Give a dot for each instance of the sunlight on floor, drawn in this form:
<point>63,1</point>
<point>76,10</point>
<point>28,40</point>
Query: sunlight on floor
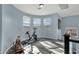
<point>47,44</point>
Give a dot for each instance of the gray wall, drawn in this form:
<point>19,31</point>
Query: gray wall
<point>72,21</point>
<point>50,31</point>
<point>0,26</point>
<point>46,31</point>
<point>69,22</point>
<point>12,25</point>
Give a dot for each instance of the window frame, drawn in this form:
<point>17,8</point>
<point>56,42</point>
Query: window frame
<point>46,22</point>
<point>39,22</point>
<point>26,21</point>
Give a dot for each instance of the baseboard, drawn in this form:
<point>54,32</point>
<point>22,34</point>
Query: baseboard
<point>50,39</point>
<point>7,49</point>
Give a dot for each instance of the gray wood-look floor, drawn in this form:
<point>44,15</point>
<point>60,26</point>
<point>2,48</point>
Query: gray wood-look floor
<point>44,46</point>
<point>49,47</point>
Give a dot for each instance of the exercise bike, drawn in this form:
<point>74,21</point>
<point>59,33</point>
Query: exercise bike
<point>31,37</point>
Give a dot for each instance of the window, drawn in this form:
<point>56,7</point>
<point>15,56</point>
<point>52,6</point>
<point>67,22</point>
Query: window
<point>47,21</point>
<point>26,21</point>
<point>36,21</point>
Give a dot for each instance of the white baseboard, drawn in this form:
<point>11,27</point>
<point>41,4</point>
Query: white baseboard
<point>7,49</point>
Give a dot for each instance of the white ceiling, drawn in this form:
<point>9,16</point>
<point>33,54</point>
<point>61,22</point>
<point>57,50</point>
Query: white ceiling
<point>73,9</point>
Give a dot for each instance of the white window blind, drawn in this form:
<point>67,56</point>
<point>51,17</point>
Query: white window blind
<point>36,21</point>
<point>47,21</point>
<point>26,21</point>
